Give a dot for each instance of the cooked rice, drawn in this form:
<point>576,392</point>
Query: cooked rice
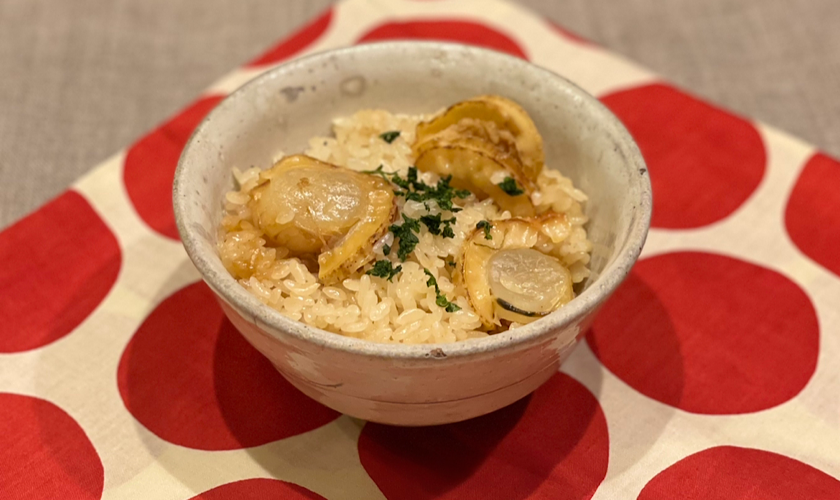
<point>369,307</point>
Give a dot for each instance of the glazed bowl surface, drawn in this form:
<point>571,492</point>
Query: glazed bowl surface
<point>283,108</point>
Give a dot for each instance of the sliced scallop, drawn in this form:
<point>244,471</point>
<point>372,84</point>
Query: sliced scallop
<point>479,157</point>
<point>506,115</point>
<point>513,272</point>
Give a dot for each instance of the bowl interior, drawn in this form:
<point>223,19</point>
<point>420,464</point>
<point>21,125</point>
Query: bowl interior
<point>281,110</point>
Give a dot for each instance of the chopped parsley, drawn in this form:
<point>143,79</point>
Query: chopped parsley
<point>487,227</point>
<point>380,171</point>
<point>434,222</point>
<point>389,137</point>
<point>384,269</point>
<point>432,281</point>
<point>416,190</point>
<point>399,181</point>
<point>406,232</point>
<point>440,299</point>
<point>412,188</point>
<point>510,187</point>
<point>412,178</point>
<point>451,263</point>
<point>443,194</point>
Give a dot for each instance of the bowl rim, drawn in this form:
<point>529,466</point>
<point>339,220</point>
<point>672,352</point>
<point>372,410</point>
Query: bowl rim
<point>277,325</point>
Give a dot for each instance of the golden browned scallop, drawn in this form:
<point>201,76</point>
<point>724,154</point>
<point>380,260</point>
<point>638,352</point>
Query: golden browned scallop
<point>506,115</point>
<point>314,208</point>
<point>512,272</point>
<point>482,158</point>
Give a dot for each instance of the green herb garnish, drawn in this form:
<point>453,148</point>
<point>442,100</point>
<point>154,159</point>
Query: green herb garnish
<point>434,222</point>
<point>432,281</point>
<point>412,178</point>
<point>414,224</point>
<point>415,190</point>
<point>406,232</point>
<point>440,299</point>
<point>450,306</point>
<point>389,137</point>
<point>442,193</point>
<point>487,227</point>
<point>380,171</point>
<point>386,249</point>
<point>399,181</point>
<point>384,269</point>
<point>510,187</point>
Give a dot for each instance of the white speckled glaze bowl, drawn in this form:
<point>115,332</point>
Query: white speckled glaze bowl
<point>413,384</point>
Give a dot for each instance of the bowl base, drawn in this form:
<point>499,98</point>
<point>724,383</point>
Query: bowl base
<point>412,414</point>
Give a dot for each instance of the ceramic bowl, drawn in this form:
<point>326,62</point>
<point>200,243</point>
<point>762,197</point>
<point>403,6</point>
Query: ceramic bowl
<point>413,384</point>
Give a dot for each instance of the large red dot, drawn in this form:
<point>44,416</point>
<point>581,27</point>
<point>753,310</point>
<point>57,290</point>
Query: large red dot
<point>44,453</point>
<point>704,162</point>
<point>708,334</point>
<point>58,265</point>
<point>296,43</point>
<point>728,472</point>
<point>551,445</point>
<point>466,32</point>
<point>150,166</point>
<point>190,378</point>
<point>258,489</point>
<point>813,212</point>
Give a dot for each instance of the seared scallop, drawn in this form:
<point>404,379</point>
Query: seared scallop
<point>506,115</point>
<point>313,208</point>
<point>482,158</point>
<point>512,272</point>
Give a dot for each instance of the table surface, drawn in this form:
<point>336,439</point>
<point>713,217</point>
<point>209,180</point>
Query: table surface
<point>83,79</point>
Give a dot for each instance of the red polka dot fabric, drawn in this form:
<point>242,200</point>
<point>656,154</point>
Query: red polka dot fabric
<point>729,472</point>
<point>709,334</point>
<point>45,452</point>
<point>553,444</point>
<point>447,30</point>
<point>206,387</point>
<point>296,43</point>
<point>812,215</point>
<point>710,374</point>
<point>258,489</point>
<point>150,167</point>
<point>704,162</point>
<point>58,265</point>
